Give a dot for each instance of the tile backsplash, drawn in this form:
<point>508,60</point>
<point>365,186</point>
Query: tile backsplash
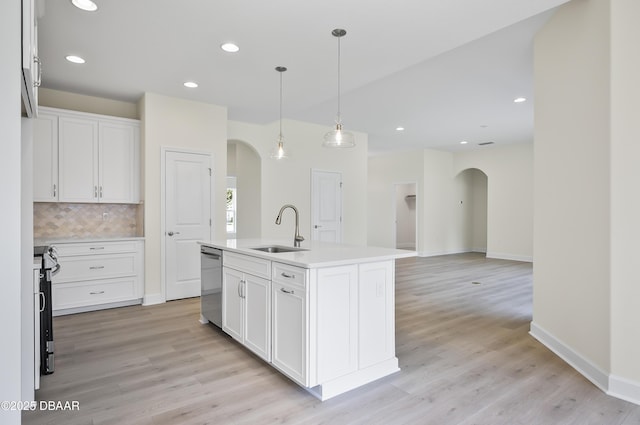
<point>62,220</point>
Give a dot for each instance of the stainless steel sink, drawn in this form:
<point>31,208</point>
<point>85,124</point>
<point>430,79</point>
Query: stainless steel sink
<point>274,249</point>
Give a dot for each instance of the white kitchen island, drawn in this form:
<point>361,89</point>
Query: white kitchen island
<point>324,316</point>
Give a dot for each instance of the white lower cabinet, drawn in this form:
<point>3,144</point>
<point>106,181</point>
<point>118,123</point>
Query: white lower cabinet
<point>290,337</point>
<point>246,303</point>
<point>96,275</point>
<point>330,329</point>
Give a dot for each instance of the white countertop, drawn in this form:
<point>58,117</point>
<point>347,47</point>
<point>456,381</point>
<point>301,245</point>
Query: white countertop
<point>49,241</point>
<point>317,254</point>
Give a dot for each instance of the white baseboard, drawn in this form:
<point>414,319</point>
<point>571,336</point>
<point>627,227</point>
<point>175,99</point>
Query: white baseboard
<point>512,257</point>
<point>624,389</point>
<point>151,299</point>
<point>590,371</point>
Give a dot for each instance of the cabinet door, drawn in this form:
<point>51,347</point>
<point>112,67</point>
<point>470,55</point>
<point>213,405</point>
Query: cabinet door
<point>78,150</point>
<point>336,321</point>
<point>257,307</point>
<point>289,344</point>
<point>45,158</point>
<point>232,303</point>
<point>118,158</point>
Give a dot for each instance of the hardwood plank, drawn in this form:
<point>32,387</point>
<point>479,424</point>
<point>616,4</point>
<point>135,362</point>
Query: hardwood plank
<point>465,355</point>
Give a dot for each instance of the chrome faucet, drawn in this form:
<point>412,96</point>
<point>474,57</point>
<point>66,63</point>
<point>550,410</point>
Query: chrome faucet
<point>297,238</point>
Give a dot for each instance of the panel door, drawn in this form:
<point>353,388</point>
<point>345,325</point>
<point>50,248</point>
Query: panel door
<point>289,342</point>
<point>326,206</point>
<point>257,308</point>
<point>187,220</point>
<point>232,303</point>
<point>78,160</point>
<point>118,169</point>
<point>45,158</point>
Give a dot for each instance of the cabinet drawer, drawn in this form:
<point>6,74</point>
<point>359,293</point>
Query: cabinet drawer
<point>96,267</point>
<point>94,248</point>
<point>248,264</point>
<point>80,294</point>
<point>286,274</point>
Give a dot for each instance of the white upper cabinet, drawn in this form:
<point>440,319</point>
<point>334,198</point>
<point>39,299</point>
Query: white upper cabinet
<point>31,68</point>
<point>98,157</point>
<point>45,158</point>
<point>78,148</point>
<point>118,158</point>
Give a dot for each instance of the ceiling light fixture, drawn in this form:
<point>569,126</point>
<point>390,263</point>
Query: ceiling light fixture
<point>338,138</point>
<point>75,59</point>
<point>87,5</point>
<point>279,152</point>
<point>519,99</point>
<point>230,47</point>
<point>190,84</point>
<point>399,128</point>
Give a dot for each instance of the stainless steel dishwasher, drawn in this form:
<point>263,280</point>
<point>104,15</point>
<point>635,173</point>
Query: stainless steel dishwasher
<point>211,284</point>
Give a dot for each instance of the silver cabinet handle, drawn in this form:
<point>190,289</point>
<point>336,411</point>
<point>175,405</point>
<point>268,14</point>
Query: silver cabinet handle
<point>173,233</point>
<point>286,291</point>
<point>96,293</point>
<point>95,191</point>
<point>37,61</point>
<point>96,267</point>
<point>288,276</point>
<point>101,191</point>
<point>240,289</point>
<point>54,190</point>
<point>96,248</point>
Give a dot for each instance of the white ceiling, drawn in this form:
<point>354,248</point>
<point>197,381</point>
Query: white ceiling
<point>446,70</point>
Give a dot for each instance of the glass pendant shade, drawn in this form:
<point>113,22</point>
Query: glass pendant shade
<point>337,137</point>
<point>279,152</point>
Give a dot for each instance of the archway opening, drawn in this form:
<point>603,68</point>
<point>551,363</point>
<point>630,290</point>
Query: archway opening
<point>472,197</point>
<point>244,170</point>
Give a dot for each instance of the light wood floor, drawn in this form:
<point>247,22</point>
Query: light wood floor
<point>464,349</point>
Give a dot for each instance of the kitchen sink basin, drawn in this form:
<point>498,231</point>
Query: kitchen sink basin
<point>274,249</point>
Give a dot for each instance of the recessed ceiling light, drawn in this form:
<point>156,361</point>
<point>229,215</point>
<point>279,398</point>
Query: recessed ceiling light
<point>464,142</point>
<point>230,47</point>
<point>191,84</point>
<point>75,59</point>
<point>399,128</point>
<point>519,99</point>
<point>87,5</point>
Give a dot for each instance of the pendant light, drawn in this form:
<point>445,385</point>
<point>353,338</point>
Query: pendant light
<point>278,152</point>
<point>338,138</point>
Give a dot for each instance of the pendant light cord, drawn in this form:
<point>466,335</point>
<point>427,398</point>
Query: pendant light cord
<point>280,137</point>
<point>339,120</point>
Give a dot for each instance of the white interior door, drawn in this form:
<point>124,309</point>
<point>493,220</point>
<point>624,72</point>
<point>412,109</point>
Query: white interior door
<point>187,220</point>
<point>326,206</point>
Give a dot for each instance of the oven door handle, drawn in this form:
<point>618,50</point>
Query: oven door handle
<point>43,302</point>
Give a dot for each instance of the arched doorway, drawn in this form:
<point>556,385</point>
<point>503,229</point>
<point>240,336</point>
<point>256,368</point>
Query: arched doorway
<point>472,195</point>
<point>244,171</point>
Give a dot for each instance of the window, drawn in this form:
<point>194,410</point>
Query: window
<point>231,206</point>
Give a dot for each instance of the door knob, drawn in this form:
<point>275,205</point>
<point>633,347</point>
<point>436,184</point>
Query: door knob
<point>316,226</point>
<point>173,233</point>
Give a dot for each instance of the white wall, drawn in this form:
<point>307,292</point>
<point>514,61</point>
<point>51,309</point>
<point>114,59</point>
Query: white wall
<point>625,196</point>
<point>572,221</point>
<point>289,181</point>
<point>84,103</point>
<point>247,168</point>
<point>171,122</point>
<point>10,193</point>
<point>383,172</point>
<point>495,215</point>
<point>509,171</point>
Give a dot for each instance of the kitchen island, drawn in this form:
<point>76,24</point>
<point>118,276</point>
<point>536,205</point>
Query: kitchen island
<point>322,314</point>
